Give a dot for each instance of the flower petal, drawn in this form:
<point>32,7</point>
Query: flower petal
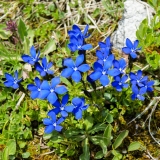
<point>68,62</point>
<point>38,67</point>
<point>133,55</point>
<point>57,104</point>
<point>61,90</point>
<point>86,47</point>
<point>135,89</point>
<point>9,77</point>
<point>49,129</point>
<point>37,82</point>
<point>76,28</point>
<point>84,67</point>
<point>55,81</point>
<point>78,115</point>
<point>44,62</point>
<point>97,66</point>
<point>126,50</point>
<point>76,76</point>
<point>47,121</point>
<point>15,86</point>
<point>99,54</point>
<point>60,120</point>
<point>72,47</point>
<point>79,60</point>
<point>64,113</point>
<point>65,99</point>
<point>67,72</point>
<point>113,72</point>
<point>34,94</point>
<point>33,52</point>
<point>58,128</point>
<point>129,43</point>
<point>45,85</point>
<point>95,75</point>
<point>43,94</point>
<point>136,44</point>
<point>31,87</point>
<point>52,97</point>
<point>76,101</point>
<point>52,115</point>
<point>122,63</point>
<point>69,108</point>
<point>104,80</point>
<point>8,83</point>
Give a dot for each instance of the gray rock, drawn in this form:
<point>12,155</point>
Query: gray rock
<point>135,12</point>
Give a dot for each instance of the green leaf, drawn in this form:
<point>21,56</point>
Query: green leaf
<point>120,139</point>
<point>88,122</point>
<point>117,155</point>
<point>107,96</point>
<point>97,128</point>
<point>25,155</point>
<point>50,47</point>
<point>107,134</point>
<point>98,155</point>
<point>109,118</point>
<point>66,81</point>
<point>134,146</point>
<point>11,144</point>
<point>22,30</point>
<point>86,154</point>
<point>71,132</point>
<point>5,154</point>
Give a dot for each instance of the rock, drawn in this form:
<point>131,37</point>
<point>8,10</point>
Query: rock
<point>135,12</point>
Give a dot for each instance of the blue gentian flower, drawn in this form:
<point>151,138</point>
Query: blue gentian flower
<point>53,89</point>
<point>137,79</point>
<point>36,90</point>
<point>120,82</point>
<point>103,55</point>
<point>33,58</point>
<point>131,49</point>
<point>12,81</point>
<point>149,85</point>
<point>79,107</point>
<point>101,72</point>
<point>74,69</point>
<point>61,107</point>
<point>120,65</point>
<point>138,93</point>
<point>45,68</point>
<point>76,31</point>
<point>107,45</point>
<point>77,43</point>
<point>52,124</point>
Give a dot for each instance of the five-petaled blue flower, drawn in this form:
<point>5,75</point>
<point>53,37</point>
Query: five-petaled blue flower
<point>53,89</point>
<point>149,85</point>
<point>36,90</point>
<point>33,58</point>
<point>45,68</point>
<point>61,107</point>
<point>76,31</point>
<point>138,93</point>
<point>107,45</point>
<point>120,82</point>
<point>77,43</point>
<point>119,65</point>
<point>137,79</point>
<point>52,124</point>
<point>103,55</point>
<point>79,107</point>
<point>131,49</point>
<point>12,81</point>
<point>74,69</point>
<point>101,72</point>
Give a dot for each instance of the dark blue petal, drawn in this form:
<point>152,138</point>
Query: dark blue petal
<point>116,64</point>
<point>76,76</point>
<point>80,40</point>
<point>8,83</point>
<point>142,90</point>
<point>44,62</point>
<point>76,28</point>
<point>129,43</point>
<point>67,72</point>
<point>58,128</point>
<point>133,96</point>
<point>43,94</point>
<point>136,44</point>
<point>132,76</point>
<point>78,115</point>
<point>68,62</point>
<point>34,94</point>
<point>84,107</point>
<point>15,86</point>
<point>33,52</point>
<point>115,83</point>
<point>73,40</point>
<point>38,67</point>
<point>55,110</point>
<point>61,90</point>
<point>113,72</point>
<point>102,44</point>
<point>108,44</point>
<point>104,80</point>
<point>150,83</point>
<point>99,54</point>
<point>65,99</point>
<point>84,67</point>
<point>133,55</point>
<point>126,50</point>
<point>85,30</point>
<point>37,82</point>
<point>60,120</point>
<point>145,78</point>
<point>55,81</point>
<point>119,88</point>
<point>31,87</point>
<point>45,85</point>
<point>97,66</point>
<point>122,63</point>
<point>52,97</point>
<point>57,104</point>
<point>72,47</point>
<point>79,60</point>
<point>124,78</point>
<point>139,74</point>
<point>47,121</point>
<point>95,75</point>
<point>86,47</point>
<point>9,77</point>
<point>76,101</point>
<point>135,89</point>
<point>49,129</point>
<point>27,59</point>
<point>69,108</point>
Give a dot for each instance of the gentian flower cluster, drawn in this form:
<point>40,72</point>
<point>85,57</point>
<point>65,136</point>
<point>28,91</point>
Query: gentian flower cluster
<point>140,85</point>
<point>77,39</point>
<point>106,65</point>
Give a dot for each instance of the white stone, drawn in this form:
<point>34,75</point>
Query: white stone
<point>135,12</point>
